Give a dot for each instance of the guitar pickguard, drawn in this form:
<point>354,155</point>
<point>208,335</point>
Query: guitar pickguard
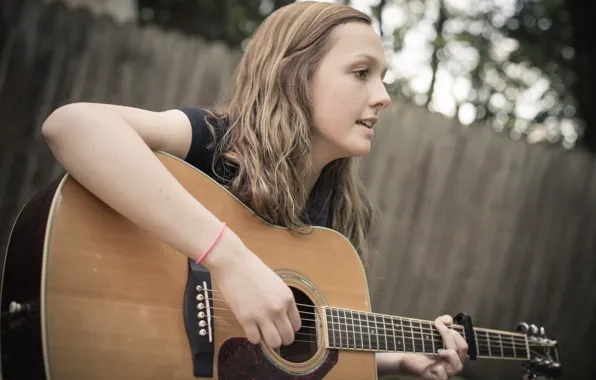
<point>240,360</point>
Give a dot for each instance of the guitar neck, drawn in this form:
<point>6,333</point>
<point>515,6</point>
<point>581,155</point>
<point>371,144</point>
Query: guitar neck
<point>356,330</point>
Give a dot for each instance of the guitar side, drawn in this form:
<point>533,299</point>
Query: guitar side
<point>112,295</point>
<point>21,345</point>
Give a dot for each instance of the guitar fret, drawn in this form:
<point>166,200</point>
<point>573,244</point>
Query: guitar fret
<point>330,328</point>
<point>424,337</point>
<point>417,336</point>
<point>428,337</point>
<point>375,332</point>
<point>483,343</point>
<point>501,345</point>
<point>343,326</point>
<point>337,329</point>
<point>514,348</point>
<point>390,330</point>
<point>403,335</point>
<point>407,336</point>
<point>356,327</point>
<point>367,334</point>
<point>410,331</point>
<point>488,341</point>
<point>353,323</point>
<point>378,333</point>
<point>372,332</point>
<point>477,345</point>
<point>396,339</point>
<point>507,347</point>
<point>362,346</point>
<point>381,333</point>
<point>432,334</point>
<point>420,336</point>
<point>386,333</point>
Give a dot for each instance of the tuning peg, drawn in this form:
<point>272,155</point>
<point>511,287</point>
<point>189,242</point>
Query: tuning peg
<point>533,330</point>
<point>523,327</point>
<point>544,367</point>
<point>555,369</point>
<point>542,333</point>
<point>551,368</point>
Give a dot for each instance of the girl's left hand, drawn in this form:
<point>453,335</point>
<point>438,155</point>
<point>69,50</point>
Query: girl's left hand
<point>447,363</point>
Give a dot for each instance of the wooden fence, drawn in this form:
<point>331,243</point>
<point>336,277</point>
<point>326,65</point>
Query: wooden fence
<point>473,221</point>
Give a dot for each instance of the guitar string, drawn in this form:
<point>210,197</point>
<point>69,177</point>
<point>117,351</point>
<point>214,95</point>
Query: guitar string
<point>454,326</point>
<point>410,349</point>
<point>404,329</point>
<point>415,336</point>
<point>330,308</point>
<point>480,339</point>
<point>362,342</point>
<point>515,338</point>
<point>412,335</point>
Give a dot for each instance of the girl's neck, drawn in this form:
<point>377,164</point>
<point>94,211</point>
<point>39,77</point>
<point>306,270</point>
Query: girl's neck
<point>319,158</point>
<point>308,176</point>
<point>311,180</point>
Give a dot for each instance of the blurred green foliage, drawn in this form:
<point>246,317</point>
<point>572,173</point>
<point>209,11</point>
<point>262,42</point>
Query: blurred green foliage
<point>511,63</point>
<point>229,21</point>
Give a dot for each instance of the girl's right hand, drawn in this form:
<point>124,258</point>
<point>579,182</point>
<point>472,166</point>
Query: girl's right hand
<point>259,299</point>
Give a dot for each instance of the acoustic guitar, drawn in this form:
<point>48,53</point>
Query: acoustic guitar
<point>87,295</point>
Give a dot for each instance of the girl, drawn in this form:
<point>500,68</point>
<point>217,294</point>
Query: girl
<point>307,95</point>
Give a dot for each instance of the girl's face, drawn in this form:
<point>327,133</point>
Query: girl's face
<point>347,93</point>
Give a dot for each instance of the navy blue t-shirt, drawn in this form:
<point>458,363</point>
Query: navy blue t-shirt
<point>202,156</point>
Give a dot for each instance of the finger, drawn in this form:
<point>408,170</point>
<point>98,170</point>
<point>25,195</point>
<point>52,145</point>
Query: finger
<point>462,345</point>
<point>446,319</point>
<point>294,316</point>
<point>453,359</point>
<point>286,332</point>
<point>270,334</point>
<point>252,333</point>
<point>439,372</point>
<point>448,340</point>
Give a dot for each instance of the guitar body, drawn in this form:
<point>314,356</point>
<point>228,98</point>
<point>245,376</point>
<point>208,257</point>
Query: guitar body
<point>107,300</point>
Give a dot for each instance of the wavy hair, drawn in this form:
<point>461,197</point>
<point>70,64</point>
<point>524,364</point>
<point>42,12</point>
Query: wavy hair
<point>269,122</point>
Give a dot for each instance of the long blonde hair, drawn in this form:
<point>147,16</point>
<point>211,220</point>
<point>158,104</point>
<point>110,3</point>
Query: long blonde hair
<point>270,123</point>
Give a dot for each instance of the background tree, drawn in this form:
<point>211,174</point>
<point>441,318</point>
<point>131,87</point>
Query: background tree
<point>228,21</point>
<point>508,63</point>
<point>522,66</point>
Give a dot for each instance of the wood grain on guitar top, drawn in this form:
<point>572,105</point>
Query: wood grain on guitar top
<point>113,293</point>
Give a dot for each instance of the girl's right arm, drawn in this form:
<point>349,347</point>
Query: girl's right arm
<point>108,149</point>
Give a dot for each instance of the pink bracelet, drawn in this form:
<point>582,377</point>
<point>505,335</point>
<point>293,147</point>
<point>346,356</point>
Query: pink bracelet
<point>223,227</point>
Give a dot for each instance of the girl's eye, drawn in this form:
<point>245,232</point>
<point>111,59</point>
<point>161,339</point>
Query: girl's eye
<point>362,74</point>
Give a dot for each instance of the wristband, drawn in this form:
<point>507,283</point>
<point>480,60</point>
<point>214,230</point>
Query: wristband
<point>223,227</point>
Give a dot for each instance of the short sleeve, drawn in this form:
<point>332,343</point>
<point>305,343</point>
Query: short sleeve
<point>200,154</point>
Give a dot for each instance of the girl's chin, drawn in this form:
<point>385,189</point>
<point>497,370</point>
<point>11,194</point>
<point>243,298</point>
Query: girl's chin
<point>361,149</point>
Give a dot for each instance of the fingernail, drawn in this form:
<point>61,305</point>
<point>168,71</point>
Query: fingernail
<point>441,350</point>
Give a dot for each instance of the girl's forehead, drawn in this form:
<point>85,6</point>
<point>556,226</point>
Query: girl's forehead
<point>357,39</point>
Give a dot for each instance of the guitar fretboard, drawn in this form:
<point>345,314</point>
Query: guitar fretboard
<point>356,330</point>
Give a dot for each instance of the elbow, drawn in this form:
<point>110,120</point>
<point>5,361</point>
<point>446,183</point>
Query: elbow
<point>61,120</point>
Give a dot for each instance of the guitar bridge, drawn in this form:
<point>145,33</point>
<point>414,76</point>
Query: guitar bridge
<point>198,319</point>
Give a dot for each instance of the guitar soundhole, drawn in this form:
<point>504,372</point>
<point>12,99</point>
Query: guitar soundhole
<point>305,343</point>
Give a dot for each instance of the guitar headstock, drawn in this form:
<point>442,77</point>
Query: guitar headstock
<point>543,353</point>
